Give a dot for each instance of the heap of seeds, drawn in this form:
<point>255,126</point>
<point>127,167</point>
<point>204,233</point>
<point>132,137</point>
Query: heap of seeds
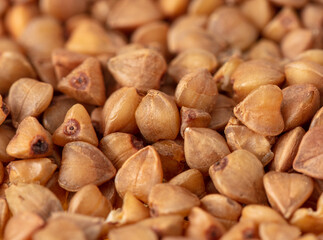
<point>161,119</point>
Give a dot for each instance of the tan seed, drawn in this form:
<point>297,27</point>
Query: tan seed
<point>309,154</point>
<point>275,231</point>
<point>38,170</point>
<point>28,223</point>
<point>262,16</point>
<point>233,27</point>
<point>296,42</point>
<point>192,180</point>
<point>60,229</point>
<point>32,197</point>
<point>13,66</point>
<point>260,110</point>
<point>40,37</point>
<point>83,164</point>
<point>118,147</point>
<point>90,201</point>
<point>152,34</point>
<point>254,73</point>
<point>305,72</point>
<point>139,174</point>
<point>151,119</point>
<point>141,69</point>
<point>203,226</point>
<point>197,90</point>
<point>239,136</point>
<point>85,83</point>
<point>188,33</point>
<point>132,211</point>
<point>239,176</point>
<point>89,37</point>
<point>173,8</point>
<point>191,60</point>
<point>17,18</point>
<point>224,209</point>
<point>287,191</point>
<point>119,111</point>
<point>265,49</point>
<point>300,103</point>
<point>260,214</point>
<point>167,199</point>
<point>203,147</point>
<point>284,21</point>
<point>171,156</point>
<point>311,16</point>
<point>286,148</point>
<point>129,14</point>
<point>31,140</point>
<point>28,97</point>
<point>77,126</point>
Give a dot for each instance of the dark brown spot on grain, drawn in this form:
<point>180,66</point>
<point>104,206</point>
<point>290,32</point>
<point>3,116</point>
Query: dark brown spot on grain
<point>39,145</point>
<point>221,164</point>
<point>80,82</point>
<point>248,233</point>
<point>213,233</point>
<point>153,212</point>
<point>191,115</point>
<point>230,201</point>
<point>137,144</point>
<point>5,109</point>
<point>72,128</point>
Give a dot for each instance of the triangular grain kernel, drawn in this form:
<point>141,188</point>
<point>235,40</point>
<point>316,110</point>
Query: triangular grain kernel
<point>129,14</point>
<point>141,69</point>
<point>77,126</point>
<point>139,174</point>
<point>260,110</point>
<point>85,83</point>
<point>89,37</point>
<point>31,140</point>
<point>82,164</point>
<point>310,154</point>
<point>286,192</point>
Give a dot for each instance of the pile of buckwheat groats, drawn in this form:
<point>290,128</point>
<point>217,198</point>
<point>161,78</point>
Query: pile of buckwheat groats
<point>161,119</point>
